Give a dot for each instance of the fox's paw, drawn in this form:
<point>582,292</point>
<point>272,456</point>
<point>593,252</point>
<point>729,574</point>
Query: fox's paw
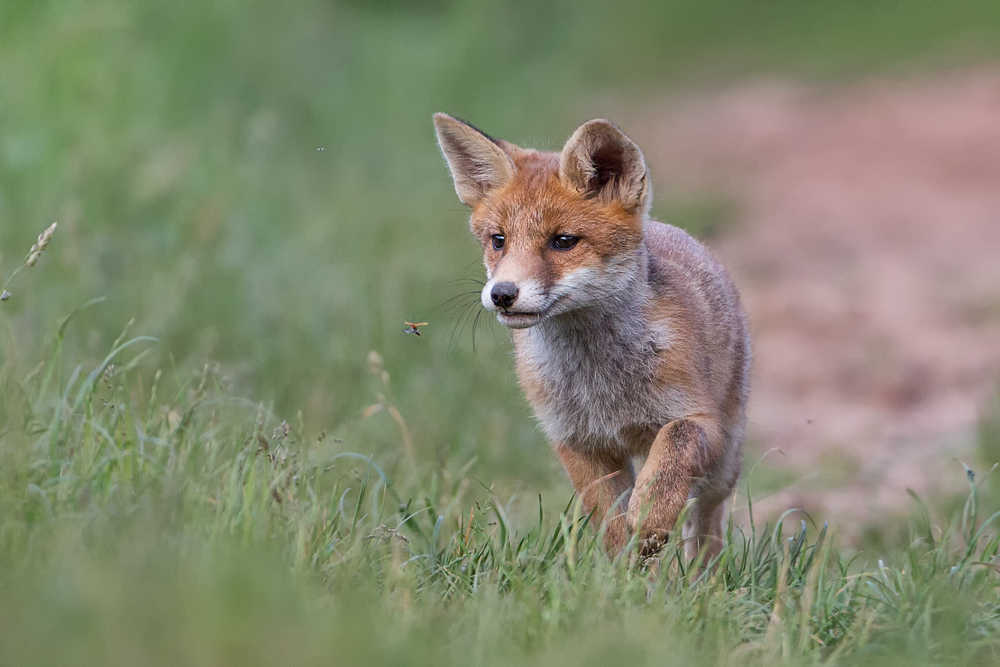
<point>652,544</point>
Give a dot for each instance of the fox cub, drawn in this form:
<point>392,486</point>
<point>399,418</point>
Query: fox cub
<point>629,337</point>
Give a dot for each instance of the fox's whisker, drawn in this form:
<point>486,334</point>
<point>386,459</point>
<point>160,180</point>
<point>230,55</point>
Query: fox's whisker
<point>462,295</point>
<point>465,302</point>
<point>461,300</point>
<point>475,323</point>
<point>465,280</point>
<point>454,300</point>
<point>460,321</point>
<point>449,285</point>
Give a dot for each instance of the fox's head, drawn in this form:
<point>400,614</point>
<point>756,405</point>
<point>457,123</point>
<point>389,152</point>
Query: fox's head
<point>560,231</point>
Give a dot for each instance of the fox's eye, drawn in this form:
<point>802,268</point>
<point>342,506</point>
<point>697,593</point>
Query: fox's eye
<point>498,241</point>
<point>564,241</point>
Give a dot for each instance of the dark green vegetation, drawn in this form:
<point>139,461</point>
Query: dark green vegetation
<point>164,517</point>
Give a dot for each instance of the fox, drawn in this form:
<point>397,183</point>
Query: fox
<point>630,340</point>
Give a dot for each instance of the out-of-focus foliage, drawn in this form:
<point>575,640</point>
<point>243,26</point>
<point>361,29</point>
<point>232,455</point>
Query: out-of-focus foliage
<point>257,182</point>
<point>256,185</point>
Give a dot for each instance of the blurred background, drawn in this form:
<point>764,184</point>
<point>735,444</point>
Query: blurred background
<point>257,185</point>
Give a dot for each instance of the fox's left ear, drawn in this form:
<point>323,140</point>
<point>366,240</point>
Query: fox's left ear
<point>601,162</point>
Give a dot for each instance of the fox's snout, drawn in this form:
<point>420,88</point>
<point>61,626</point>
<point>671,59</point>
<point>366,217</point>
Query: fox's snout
<point>510,294</point>
<point>518,303</point>
<point>503,295</point>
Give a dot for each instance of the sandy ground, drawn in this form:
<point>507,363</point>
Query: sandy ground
<point>867,250</point>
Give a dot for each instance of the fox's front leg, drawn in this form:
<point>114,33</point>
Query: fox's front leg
<point>678,456</point>
<point>601,479</point>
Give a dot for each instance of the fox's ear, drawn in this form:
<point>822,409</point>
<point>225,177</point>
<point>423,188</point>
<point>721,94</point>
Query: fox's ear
<point>477,161</point>
<point>601,162</point>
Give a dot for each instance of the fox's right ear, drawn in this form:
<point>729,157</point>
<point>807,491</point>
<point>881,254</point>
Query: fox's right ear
<point>477,161</point>
<point>601,162</point>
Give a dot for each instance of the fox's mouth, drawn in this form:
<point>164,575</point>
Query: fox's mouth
<point>519,320</point>
<point>522,319</point>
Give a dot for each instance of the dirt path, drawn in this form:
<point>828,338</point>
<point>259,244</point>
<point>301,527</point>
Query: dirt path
<point>868,253</point>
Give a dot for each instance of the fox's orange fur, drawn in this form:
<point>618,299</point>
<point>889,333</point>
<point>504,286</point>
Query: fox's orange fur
<point>629,337</point>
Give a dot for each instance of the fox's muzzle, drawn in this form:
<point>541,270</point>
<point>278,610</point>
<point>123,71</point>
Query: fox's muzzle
<point>504,294</point>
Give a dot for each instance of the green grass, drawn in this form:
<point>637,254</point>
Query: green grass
<point>150,524</point>
<point>158,513</point>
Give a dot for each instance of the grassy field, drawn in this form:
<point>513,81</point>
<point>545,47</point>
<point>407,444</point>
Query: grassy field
<point>251,192</point>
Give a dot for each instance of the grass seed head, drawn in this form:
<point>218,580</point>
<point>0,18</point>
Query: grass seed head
<point>46,236</point>
<point>43,242</point>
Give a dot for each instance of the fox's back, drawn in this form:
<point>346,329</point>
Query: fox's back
<point>694,292</point>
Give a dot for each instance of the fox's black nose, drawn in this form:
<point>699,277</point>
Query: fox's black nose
<point>504,294</point>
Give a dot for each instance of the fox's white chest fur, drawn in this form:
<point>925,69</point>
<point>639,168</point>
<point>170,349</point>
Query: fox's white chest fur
<point>592,379</point>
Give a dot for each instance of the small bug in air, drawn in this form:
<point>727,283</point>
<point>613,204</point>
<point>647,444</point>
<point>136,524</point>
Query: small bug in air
<point>413,327</point>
